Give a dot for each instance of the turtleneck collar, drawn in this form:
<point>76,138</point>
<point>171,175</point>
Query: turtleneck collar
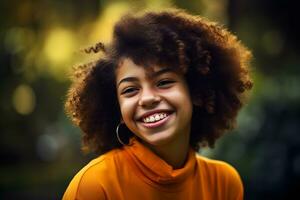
<point>156,171</point>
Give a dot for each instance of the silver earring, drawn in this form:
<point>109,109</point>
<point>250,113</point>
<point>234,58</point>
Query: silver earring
<point>117,132</point>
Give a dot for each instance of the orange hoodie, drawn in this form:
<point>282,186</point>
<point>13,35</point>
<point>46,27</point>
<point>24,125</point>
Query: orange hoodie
<point>136,173</point>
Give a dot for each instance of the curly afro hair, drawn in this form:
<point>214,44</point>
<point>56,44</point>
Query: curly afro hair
<point>213,61</point>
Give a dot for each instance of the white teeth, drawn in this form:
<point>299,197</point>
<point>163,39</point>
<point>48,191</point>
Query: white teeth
<point>155,117</point>
<point>152,119</point>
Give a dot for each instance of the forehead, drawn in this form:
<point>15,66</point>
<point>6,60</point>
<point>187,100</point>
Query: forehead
<point>127,67</point>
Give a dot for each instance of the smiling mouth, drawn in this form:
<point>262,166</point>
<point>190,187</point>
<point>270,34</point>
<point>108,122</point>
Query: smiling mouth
<point>155,117</point>
<point>156,120</point>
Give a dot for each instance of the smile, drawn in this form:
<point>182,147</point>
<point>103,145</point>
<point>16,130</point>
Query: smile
<point>156,120</point>
<point>155,117</point>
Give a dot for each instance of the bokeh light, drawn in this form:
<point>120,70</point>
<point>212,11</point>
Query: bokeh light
<point>59,45</point>
<point>58,50</point>
<point>24,99</point>
<point>103,26</point>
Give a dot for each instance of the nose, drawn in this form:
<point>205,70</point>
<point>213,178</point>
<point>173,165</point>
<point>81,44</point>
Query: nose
<point>149,98</point>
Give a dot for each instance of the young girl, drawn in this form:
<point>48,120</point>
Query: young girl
<point>169,83</point>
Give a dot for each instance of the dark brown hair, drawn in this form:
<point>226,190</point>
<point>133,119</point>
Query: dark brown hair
<point>214,62</point>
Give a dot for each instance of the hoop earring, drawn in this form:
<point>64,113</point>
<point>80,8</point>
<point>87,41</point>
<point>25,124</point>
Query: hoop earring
<point>117,133</point>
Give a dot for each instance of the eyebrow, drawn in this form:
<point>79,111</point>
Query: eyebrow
<point>152,75</point>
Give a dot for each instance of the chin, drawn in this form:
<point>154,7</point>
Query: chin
<point>159,139</point>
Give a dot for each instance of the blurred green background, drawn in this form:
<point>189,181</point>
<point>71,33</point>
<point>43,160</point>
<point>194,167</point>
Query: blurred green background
<point>40,148</point>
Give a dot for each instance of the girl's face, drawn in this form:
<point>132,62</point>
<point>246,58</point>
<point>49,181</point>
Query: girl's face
<point>156,106</point>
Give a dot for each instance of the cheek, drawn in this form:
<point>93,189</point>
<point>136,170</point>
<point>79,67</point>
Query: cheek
<point>127,109</point>
<point>180,96</point>
<point>182,101</point>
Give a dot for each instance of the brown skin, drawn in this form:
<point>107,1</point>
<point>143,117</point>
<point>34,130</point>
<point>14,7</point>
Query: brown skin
<point>214,64</point>
<point>162,92</point>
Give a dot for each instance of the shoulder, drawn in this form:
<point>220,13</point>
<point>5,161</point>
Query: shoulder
<point>217,166</point>
<point>88,182</point>
<point>224,174</point>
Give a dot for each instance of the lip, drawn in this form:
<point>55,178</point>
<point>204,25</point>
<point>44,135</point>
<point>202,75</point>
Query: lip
<point>158,123</point>
<point>140,118</point>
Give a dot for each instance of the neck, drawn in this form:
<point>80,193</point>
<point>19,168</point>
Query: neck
<point>175,153</point>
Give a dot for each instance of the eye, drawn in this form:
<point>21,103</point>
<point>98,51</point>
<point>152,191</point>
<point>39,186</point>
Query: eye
<point>129,90</point>
<point>165,83</point>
